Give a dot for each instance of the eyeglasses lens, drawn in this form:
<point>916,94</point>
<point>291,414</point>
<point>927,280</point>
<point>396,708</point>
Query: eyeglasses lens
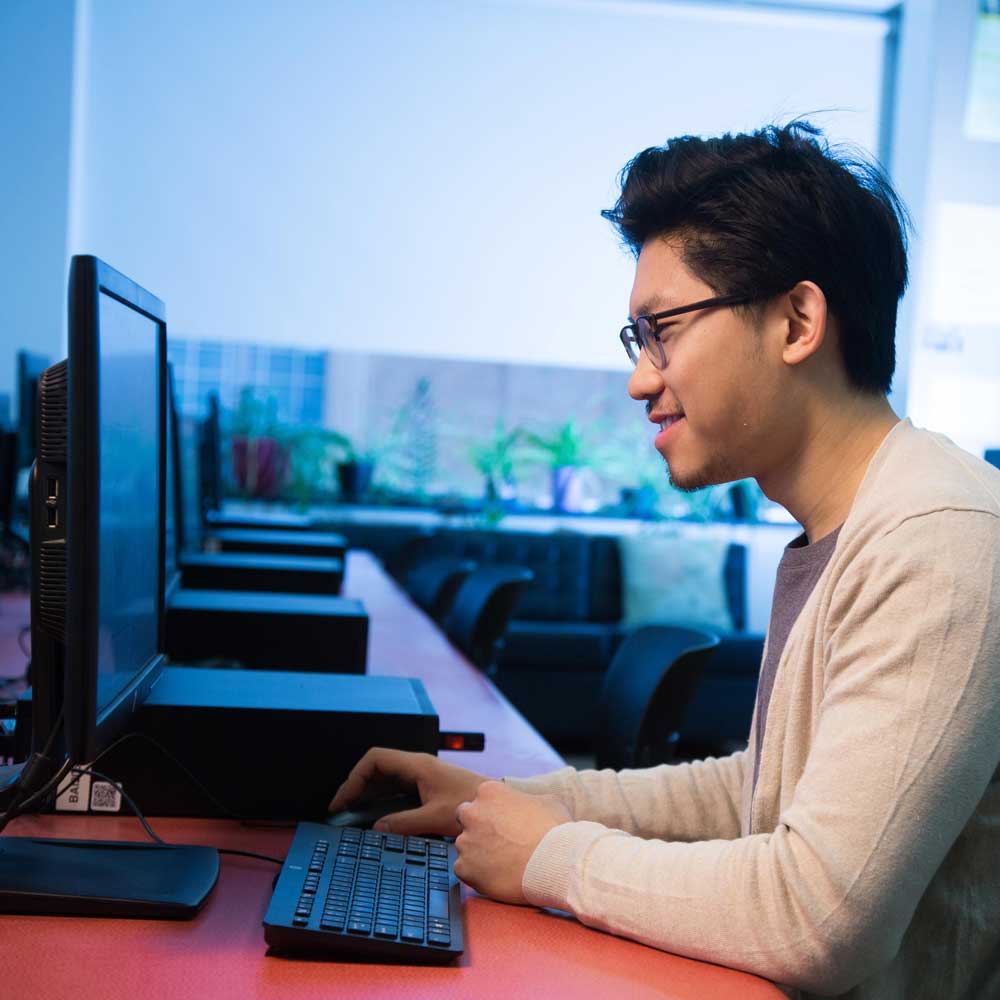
<point>646,336</point>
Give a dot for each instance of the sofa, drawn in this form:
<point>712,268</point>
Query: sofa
<point>589,591</point>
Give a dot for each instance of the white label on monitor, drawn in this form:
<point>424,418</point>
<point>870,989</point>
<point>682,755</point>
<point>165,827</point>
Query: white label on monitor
<point>104,797</point>
<point>74,793</point>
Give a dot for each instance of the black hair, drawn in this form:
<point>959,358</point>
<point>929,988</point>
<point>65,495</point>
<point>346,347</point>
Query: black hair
<point>756,213</point>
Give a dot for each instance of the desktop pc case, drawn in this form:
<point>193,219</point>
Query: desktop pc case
<point>265,744</point>
<point>267,631</point>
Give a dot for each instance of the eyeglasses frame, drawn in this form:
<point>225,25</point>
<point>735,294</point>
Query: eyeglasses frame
<point>629,334</point>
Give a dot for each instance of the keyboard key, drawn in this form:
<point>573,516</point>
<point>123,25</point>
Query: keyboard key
<point>412,932</point>
<point>386,930</point>
<point>436,937</point>
<point>438,903</point>
<point>359,926</point>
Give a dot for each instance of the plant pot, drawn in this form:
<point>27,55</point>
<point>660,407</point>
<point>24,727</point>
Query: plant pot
<point>260,466</point>
<point>567,489</point>
<point>354,479</point>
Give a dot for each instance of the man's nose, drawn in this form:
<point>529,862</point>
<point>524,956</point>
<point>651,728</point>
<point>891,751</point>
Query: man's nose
<point>646,381</point>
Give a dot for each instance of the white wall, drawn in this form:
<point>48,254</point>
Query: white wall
<point>954,378</point>
<point>420,177</point>
<point>36,77</point>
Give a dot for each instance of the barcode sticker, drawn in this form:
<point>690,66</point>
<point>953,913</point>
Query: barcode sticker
<point>104,797</point>
<point>74,793</point>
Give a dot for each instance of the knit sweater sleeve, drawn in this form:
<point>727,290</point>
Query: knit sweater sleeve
<point>903,748</point>
<point>693,801</point>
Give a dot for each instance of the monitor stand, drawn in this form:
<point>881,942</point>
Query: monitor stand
<point>101,878</point>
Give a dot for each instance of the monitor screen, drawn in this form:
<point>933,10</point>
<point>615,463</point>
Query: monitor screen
<point>114,413</point>
<point>127,606</point>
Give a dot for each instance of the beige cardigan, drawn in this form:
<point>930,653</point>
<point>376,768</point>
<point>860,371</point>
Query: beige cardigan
<point>867,862</point>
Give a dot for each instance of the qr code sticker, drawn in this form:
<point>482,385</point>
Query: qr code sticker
<point>104,797</point>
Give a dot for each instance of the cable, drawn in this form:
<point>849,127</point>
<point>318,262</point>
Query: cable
<point>35,764</point>
<point>187,771</point>
<point>25,630</point>
<point>19,808</point>
<point>250,854</point>
<point>145,824</point>
<point>121,791</point>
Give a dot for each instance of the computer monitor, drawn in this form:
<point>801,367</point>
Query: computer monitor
<point>29,370</point>
<point>187,486</point>
<point>173,508</point>
<point>209,447</point>
<point>97,536</point>
<point>97,504</point>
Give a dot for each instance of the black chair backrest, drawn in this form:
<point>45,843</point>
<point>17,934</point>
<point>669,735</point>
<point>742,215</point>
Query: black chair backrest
<point>433,583</point>
<point>480,611</point>
<point>646,690</point>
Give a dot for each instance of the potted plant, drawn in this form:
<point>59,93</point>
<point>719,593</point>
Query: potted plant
<point>567,453</point>
<point>259,447</point>
<point>315,452</point>
<point>494,458</point>
<point>354,474</point>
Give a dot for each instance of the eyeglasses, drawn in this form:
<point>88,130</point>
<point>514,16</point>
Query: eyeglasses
<point>641,335</point>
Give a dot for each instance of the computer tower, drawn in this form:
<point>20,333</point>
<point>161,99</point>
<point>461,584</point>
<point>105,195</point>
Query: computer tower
<point>265,745</point>
<point>274,574</point>
<point>266,631</point>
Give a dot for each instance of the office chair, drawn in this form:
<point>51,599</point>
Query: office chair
<point>433,583</point>
<point>481,609</point>
<point>406,555</point>
<point>646,689</point>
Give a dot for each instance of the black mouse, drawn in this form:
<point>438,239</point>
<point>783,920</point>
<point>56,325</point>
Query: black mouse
<point>366,814</point>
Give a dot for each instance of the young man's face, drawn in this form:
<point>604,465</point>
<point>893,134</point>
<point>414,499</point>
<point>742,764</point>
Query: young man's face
<point>717,378</point>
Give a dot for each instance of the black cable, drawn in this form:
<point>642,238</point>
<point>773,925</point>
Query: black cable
<point>145,824</point>
<point>187,771</point>
<point>250,854</point>
<point>121,791</point>
<point>25,630</point>
<point>19,808</point>
<point>35,763</point>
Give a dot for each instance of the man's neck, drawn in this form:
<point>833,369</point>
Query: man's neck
<point>819,481</point>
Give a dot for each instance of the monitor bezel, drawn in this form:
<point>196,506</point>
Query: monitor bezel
<point>177,500</point>
<point>90,727</point>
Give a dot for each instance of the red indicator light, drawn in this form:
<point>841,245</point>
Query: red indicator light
<point>454,741</point>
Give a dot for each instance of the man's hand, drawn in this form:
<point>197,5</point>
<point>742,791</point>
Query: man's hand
<point>442,787</point>
<point>500,830</point>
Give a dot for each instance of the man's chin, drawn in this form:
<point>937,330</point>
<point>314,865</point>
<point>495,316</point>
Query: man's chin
<point>692,480</point>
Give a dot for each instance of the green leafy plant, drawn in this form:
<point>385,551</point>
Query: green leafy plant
<point>315,453</point>
<point>496,456</point>
<point>565,446</point>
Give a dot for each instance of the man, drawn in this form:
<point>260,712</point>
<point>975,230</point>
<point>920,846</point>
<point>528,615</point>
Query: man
<point>851,849</point>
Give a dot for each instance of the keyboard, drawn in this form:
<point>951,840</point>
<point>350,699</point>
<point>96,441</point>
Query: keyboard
<point>355,893</point>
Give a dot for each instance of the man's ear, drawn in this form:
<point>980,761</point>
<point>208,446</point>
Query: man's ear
<point>805,316</point>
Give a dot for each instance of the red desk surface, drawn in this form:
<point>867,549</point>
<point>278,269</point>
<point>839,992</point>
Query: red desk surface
<point>510,951</point>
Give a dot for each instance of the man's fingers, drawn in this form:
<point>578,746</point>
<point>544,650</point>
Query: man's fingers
<point>354,784</point>
<point>378,762</point>
<point>410,821</point>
